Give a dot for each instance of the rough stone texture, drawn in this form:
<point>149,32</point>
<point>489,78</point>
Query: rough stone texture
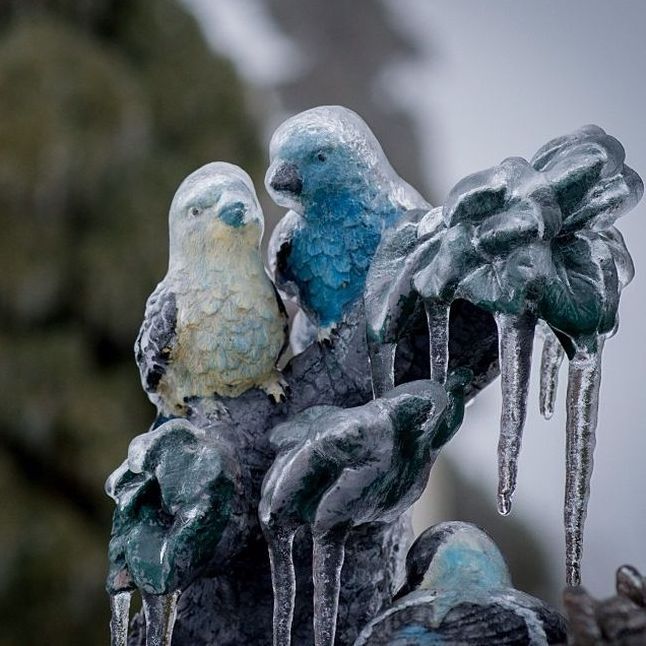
<point>235,605</point>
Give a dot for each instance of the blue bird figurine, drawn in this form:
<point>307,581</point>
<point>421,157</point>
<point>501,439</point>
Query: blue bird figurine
<point>340,468</point>
<point>329,169</point>
<point>458,591</point>
<point>215,324</point>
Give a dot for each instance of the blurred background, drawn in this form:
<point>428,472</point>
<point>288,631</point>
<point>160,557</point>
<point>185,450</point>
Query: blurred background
<point>107,104</point>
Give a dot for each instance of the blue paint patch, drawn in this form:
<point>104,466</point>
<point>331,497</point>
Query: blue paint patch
<point>416,634</point>
<point>233,214</point>
<point>330,255</point>
<point>458,567</point>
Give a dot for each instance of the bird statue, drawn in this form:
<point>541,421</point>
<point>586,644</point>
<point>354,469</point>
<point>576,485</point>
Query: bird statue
<point>215,325</point>
<point>617,621</point>
<point>179,515</point>
<point>337,469</point>
<point>329,169</point>
<point>524,241</point>
<point>458,591</point>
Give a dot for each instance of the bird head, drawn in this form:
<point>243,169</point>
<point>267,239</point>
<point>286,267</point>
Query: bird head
<point>322,153</point>
<point>454,555</point>
<point>214,206</point>
<point>417,405</point>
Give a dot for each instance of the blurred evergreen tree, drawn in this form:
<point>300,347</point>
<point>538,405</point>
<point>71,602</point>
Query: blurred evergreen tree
<point>106,106</point>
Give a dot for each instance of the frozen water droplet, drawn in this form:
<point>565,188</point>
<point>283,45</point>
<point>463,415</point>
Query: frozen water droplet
<point>120,616</point>
<point>584,380</point>
<point>160,611</point>
<point>551,360</point>
<point>283,580</point>
<point>382,366</point>
<point>327,563</point>
<point>437,316</point>
<point>515,341</point>
<point>504,503</point>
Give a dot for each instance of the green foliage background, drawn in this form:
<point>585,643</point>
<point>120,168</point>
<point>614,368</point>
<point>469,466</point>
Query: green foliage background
<point>106,105</point>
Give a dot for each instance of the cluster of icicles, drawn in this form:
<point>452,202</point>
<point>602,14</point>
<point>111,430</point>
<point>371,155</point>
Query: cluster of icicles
<point>535,242</point>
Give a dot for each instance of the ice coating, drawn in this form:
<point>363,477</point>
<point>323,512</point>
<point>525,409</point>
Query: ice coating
<point>337,469</point>
<point>160,612</point>
<point>119,618</point>
<point>516,339</point>
<point>328,552</point>
<point>458,591</point>
<point>527,242</point>
<point>382,367</point>
<point>584,380</point>
<point>179,511</point>
<point>328,168</point>
<point>551,360</point>
<point>437,315</point>
<point>333,126</point>
<point>281,544</point>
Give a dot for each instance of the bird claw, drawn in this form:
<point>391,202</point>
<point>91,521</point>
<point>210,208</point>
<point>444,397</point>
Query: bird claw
<point>276,388</point>
<point>324,335</point>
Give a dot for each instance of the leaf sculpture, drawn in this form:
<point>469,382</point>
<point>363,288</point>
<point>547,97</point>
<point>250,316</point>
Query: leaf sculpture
<point>523,242</point>
<point>179,512</point>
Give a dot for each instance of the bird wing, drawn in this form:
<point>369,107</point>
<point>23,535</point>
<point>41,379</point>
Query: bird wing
<point>285,316</point>
<point>157,336</point>
<point>288,434</point>
<point>466,623</point>
<point>279,249</point>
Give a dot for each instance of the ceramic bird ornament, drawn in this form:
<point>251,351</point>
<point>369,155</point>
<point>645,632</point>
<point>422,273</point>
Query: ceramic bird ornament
<point>329,169</point>
<point>215,325</point>
<point>340,468</point>
<point>458,591</point>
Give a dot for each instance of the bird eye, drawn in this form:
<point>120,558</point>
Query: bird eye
<point>321,157</point>
<point>195,211</point>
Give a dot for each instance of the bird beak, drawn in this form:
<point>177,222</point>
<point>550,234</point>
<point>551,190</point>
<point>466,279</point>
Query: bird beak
<point>234,214</point>
<point>285,178</point>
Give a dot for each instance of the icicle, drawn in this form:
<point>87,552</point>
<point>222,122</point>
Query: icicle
<point>382,366</point>
<point>327,563</point>
<point>120,616</point>
<point>515,341</point>
<point>551,361</point>
<point>160,611</point>
<point>283,580</point>
<point>584,379</point>
<point>437,317</point>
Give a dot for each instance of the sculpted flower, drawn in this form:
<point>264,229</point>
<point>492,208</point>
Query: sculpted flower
<point>523,241</point>
<point>179,515</point>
